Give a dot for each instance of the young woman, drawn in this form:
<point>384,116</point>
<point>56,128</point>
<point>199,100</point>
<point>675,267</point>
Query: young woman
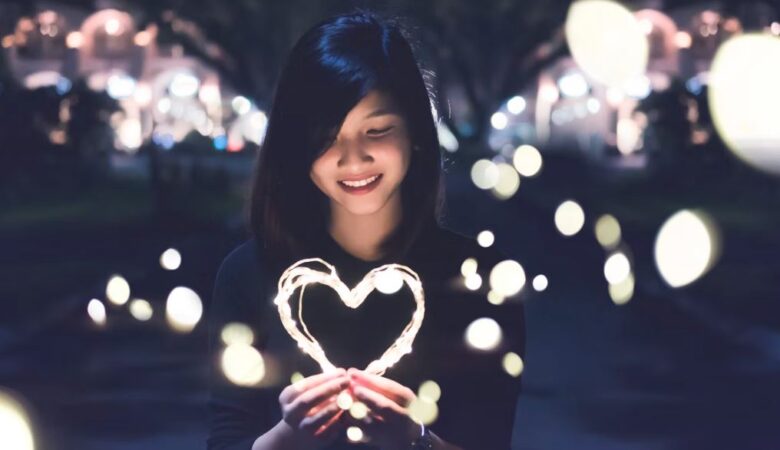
<point>349,172</point>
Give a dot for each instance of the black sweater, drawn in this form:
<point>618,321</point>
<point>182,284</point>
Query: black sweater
<point>477,405</point>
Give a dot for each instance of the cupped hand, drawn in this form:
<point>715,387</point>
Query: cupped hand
<point>388,424</point>
<point>309,408</point>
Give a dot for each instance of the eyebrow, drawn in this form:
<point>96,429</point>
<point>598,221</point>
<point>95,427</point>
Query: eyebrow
<point>381,112</point>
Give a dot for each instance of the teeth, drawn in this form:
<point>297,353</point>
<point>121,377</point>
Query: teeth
<point>360,183</point>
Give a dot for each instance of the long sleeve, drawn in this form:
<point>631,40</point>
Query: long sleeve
<point>238,415</point>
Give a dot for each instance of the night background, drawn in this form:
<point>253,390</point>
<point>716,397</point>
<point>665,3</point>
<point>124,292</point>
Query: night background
<point>626,155</point>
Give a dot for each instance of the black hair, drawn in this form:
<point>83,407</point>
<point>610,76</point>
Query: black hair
<point>328,71</point>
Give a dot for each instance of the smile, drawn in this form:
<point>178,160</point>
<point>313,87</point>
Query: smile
<point>362,186</point>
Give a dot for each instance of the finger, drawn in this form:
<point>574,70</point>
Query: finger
<point>321,405</point>
<point>378,402</point>
<point>315,421</point>
<point>290,392</point>
<point>304,402</point>
<point>387,387</point>
<point>333,424</point>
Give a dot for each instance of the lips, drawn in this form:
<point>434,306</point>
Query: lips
<point>361,189</point>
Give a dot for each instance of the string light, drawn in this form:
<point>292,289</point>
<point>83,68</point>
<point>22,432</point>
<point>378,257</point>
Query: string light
<point>299,276</point>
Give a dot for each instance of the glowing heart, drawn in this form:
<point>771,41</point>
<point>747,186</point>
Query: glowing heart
<point>387,279</point>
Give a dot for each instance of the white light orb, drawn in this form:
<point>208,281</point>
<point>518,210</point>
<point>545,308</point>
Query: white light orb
<point>118,290</point>
<point>573,85</point>
<point>429,390</point>
<point>539,283</point>
<point>744,96</point>
<point>183,309</point>
<point>617,268</point>
<point>483,334</point>
<point>516,105</point>
<point>388,281</point>
<point>423,411</point>
<point>141,309</point>
<point>499,120</point>
<point>513,364</point>
<point>354,434</point>
<point>170,259</point>
<point>358,410</point>
<point>468,266</point>
<point>484,174</point>
<point>243,365</point>
<point>344,400</point>
<point>494,298</point>
<point>686,247</point>
<point>15,429</point>
<point>508,181</point>
<point>569,218</point>
<point>606,41</point>
<point>237,333</point>
<point>622,292</point>
<point>527,160</point>
<point>486,238</point>
<point>473,281</point>
<point>608,231</point>
<point>507,278</point>
<point>97,311</point>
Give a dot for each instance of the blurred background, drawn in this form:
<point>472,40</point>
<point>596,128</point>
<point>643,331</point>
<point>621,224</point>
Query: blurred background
<point>626,156</point>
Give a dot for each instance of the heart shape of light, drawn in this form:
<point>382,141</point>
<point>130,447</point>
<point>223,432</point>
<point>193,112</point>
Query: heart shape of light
<point>299,276</point>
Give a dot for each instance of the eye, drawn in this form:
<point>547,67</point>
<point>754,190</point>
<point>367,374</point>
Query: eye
<point>380,132</point>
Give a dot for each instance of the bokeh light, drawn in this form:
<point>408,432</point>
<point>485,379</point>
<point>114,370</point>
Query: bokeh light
<point>507,278</point>
<point>499,120</point>
<point>484,174</point>
<point>686,247</point>
<point>622,292</point>
<point>508,182</point>
<point>485,238</point>
<point>569,218</point>
<point>170,259</point>
<point>237,333</point>
<point>359,410</point>
<point>296,377</point>
<point>744,97</point>
<point>97,311</point>
<point>494,298</point>
<point>527,160</point>
<point>473,281</point>
<point>606,41</point>
<point>388,281</point>
<point>483,334</point>
<point>354,434</point>
<point>513,364</point>
<point>344,400</point>
<point>423,411</point>
<point>468,266</point>
<point>608,231</point>
<point>117,290</point>
<point>183,309</point>
<point>516,104</point>
<point>429,390</point>
<point>141,309</point>
<point>243,365</point>
<point>15,428</point>
<point>617,268</point>
<point>539,283</point>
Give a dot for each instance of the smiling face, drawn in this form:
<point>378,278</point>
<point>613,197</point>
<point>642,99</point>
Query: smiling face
<point>361,172</point>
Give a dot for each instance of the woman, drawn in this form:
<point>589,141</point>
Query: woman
<point>349,172</point>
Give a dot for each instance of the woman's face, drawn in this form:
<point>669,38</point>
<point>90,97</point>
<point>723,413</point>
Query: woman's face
<point>371,153</point>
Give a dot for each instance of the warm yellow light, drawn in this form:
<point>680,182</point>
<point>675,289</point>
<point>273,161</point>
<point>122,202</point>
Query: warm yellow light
<point>183,309</point>
<point>237,333</point>
<point>606,41</point>
<point>74,39</point>
<point>507,278</point>
<point>296,377</point>
<point>508,182</point>
<point>608,231</point>
<point>141,309</point>
<point>117,290</point>
<point>473,281</point>
<point>686,247</point>
<point>622,292</point>
<point>344,400</point>
<point>483,334</point>
<point>358,410</point>
<point>513,364</point>
<point>468,266</point>
<point>527,160</point>
<point>243,365</point>
<point>569,218</point>
<point>170,259</point>
<point>744,96</point>
<point>495,298</point>
<point>423,411</point>
<point>15,429</point>
<point>429,390</point>
<point>484,174</point>
<point>142,38</point>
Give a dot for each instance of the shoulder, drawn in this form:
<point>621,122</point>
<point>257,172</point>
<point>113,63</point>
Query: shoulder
<point>242,262</point>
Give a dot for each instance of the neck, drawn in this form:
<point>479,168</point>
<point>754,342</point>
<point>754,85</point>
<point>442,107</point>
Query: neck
<point>361,235</point>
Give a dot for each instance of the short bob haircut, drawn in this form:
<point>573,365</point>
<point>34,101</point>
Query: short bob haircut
<point>329,70</point>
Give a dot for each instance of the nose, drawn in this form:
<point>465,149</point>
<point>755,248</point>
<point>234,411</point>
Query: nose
<point>353,154</point>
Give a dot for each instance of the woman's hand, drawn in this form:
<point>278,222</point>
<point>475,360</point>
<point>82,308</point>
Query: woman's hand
<point>388,424</point>
<point>309,408</point>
